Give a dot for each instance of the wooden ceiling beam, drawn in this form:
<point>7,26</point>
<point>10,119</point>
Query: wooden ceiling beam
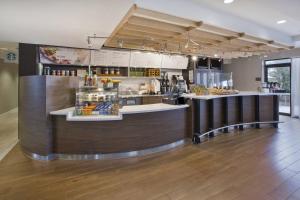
<point>156,29</point>
<point>123,21</point>
<point>156,24</point>
<point>144,29</point>
<point>162,17</point>
<point>154,37</point>
<point>220,31</point>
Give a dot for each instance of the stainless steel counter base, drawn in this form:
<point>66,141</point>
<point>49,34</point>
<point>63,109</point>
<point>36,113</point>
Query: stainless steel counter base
<point>106,156</point>
<point>197,136</point>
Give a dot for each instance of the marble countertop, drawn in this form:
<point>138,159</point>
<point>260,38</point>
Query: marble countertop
<point>150,108</point>
<point>242,93</point>
<point>125,110</point>
<point>140,95</point>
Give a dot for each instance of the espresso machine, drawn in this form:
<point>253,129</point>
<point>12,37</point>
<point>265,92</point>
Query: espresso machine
<point>178,87</point>
<point>164,83</point>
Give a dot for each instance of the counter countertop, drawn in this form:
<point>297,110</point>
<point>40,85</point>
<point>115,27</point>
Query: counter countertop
<point>242,93</point>
<point>150,108</point>
<point>134,109</point>
<point>140,95</point>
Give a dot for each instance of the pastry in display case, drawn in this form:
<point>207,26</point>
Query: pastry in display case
<point>97,98</point>
<point>212,82</point>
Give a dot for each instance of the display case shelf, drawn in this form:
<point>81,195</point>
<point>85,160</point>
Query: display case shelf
<point>95,100</point>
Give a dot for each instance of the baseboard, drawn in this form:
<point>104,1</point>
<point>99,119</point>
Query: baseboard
<point>10,111</point>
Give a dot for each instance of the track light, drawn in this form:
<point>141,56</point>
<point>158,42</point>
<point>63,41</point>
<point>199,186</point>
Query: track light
<point>194,58</point>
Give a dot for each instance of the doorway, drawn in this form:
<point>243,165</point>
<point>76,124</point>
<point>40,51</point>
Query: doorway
<point>278,75</point>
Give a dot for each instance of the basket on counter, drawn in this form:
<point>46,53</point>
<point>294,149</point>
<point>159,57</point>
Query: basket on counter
<point>151,72</point>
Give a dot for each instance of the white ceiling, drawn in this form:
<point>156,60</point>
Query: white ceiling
<point>69,22</point>
<point>59,22</point>
<point>209,11</point>
<point>264,12</point>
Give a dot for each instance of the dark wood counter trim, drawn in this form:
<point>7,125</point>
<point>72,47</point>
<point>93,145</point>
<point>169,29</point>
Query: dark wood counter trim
<point>38,96</point>
<point>220,113</point>
<point>33,130</point>
<point>135,132</point>
<point>201,115</point>
<point>43,136</point>
<point>276,110</point>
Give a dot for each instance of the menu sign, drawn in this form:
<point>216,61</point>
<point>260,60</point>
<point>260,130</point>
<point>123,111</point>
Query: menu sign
<point>111,58</point>
<point>64,56</point>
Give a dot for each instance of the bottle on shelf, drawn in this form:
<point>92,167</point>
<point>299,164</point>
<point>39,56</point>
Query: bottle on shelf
<point>163,84</point>
<point>167,83</point>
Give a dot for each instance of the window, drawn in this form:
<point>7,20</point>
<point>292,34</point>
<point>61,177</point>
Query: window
<point>278,76</point>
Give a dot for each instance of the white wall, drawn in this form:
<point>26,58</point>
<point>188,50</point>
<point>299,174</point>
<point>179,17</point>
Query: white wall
<point>8,86</point>
<point>245,70</point>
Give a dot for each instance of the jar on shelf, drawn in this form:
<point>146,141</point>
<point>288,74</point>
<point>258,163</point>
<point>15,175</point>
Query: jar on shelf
<point>105,71</point>
<point>73,73</point>
<point>117,71</point>
<point>111,71</point>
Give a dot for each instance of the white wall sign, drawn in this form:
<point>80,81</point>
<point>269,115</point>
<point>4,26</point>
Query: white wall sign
<point>174,62</point>
<point>65,56</point>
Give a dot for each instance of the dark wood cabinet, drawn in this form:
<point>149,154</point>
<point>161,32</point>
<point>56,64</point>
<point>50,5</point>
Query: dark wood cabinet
<point>152,99</point>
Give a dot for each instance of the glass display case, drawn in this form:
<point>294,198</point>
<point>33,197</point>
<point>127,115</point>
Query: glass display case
<point>97,99</point>
<point>214,79</point>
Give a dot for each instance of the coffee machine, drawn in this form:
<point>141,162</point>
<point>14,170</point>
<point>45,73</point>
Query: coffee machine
<point>178,87</point>
<point>164,83</point>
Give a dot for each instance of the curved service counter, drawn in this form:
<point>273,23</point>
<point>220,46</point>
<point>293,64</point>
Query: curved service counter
<point>137,130</point>
<point>219,112</point>
<point>47,130</point>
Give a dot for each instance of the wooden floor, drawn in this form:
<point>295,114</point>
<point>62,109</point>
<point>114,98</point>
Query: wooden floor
<point>254,164</point>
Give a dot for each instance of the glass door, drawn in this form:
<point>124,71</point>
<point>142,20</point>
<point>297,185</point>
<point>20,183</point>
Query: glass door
<point>278,78</point>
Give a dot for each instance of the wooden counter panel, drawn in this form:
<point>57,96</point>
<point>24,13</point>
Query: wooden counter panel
<point>201,116</point>
<point>217,110</point>
<point>215,113</point>
<point>33,128</point>
<point>134,132</point>
<point>233,110</point>
<point>60,92</point>
<point>39,95</point>
<point>248,109</point>
<point>266,108</point>
<point>190,119</point>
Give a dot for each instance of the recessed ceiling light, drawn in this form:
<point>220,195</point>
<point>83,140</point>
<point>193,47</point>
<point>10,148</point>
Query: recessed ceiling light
<point>281,21</point>
<point>228,1</point>
<point>216,55</point>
